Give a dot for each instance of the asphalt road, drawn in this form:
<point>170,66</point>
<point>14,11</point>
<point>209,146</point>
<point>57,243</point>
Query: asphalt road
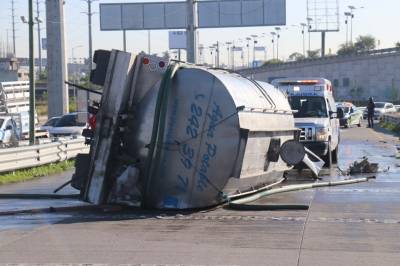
<point>348,225</point>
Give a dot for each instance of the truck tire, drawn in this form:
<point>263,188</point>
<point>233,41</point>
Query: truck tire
<point>328,156</point>
<point>335,155</point>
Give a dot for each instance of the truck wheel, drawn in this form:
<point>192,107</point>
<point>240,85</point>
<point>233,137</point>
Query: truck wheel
<point>335,155</point>
<point>328,156</point>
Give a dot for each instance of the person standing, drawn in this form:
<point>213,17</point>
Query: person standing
<point>371,110</point>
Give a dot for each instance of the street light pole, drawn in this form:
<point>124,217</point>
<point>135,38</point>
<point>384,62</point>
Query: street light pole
<point>352,9</point>
<point>303,26</point>
<point>347,14</point>
<point>248,51</point>
<point>273,43</point>
<point>31,78</point>
<point>277,41</point>
<point>309,20</point>
<point>254,48</point>
<point>229,53</point>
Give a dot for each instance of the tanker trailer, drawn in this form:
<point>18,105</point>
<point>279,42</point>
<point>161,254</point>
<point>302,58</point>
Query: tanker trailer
<point>179,136</point>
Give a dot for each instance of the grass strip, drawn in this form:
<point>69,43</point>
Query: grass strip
<point>391,127</point>
<point>44,170</point>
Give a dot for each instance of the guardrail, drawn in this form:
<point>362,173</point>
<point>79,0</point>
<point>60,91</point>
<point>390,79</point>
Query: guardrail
<point>393,118</point>
<point>30,156</point>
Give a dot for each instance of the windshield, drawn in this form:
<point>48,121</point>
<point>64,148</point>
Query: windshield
<point>379,105</point>
<point>308,106</point>
<point>52,122</point>
<point>1,122</point>
<point>69,121</point>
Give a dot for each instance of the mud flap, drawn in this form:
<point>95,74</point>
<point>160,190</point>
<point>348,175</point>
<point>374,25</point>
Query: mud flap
<point>313,162</point>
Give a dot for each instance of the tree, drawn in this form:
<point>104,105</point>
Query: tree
<point>397,44</point>
<point>365,43</point>
<point>313,53</point>
<point>346,49</point>
<point>272,62</point>
<point>296,56</point>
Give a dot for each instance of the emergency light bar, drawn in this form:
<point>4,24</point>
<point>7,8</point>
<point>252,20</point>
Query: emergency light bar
<point>299,82</point>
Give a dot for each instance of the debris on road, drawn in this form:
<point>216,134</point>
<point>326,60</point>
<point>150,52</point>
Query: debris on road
<point>363,167</point>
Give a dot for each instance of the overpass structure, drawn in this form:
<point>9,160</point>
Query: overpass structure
<point>354,77</point>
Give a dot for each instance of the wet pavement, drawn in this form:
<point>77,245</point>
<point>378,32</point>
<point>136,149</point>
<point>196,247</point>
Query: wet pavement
<point>347,225</point>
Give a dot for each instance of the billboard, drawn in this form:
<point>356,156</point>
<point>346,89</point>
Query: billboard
<point>323,15</point>
<point>173,15</point>
<point>143,16</point>
<point>241,13</point>
<point>177,39</point>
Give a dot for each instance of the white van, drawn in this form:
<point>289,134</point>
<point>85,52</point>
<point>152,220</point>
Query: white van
<point>315,114</point>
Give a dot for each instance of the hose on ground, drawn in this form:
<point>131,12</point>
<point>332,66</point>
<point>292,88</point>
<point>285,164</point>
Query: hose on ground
<point>290,188</point>
<point>37,196</point>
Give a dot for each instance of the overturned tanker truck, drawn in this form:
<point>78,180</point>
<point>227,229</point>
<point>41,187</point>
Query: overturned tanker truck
<point>176,136</point>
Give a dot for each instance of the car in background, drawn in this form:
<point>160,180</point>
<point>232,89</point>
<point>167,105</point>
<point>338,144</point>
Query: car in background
<point>351,115</point>
<point>381,108</point>
<point>69,125</point>
<point>50,123</point>
<point>9,132</point>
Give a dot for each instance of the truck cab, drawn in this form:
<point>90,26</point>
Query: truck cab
<point>315,114</point>
<point>9,133</point>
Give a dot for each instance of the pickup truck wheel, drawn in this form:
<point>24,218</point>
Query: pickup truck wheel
<point>328,156</point>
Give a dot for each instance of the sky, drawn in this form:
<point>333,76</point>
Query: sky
<point>377,18</point>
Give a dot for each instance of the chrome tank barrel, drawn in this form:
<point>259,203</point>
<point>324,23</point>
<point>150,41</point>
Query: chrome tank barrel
<point>212,133</point>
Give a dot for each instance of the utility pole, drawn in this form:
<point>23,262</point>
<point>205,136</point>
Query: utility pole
<point>89,14</point>
<point>39,38</point>
<point>13,26</point>
<point>31,78</point>
<point>191,42</point>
